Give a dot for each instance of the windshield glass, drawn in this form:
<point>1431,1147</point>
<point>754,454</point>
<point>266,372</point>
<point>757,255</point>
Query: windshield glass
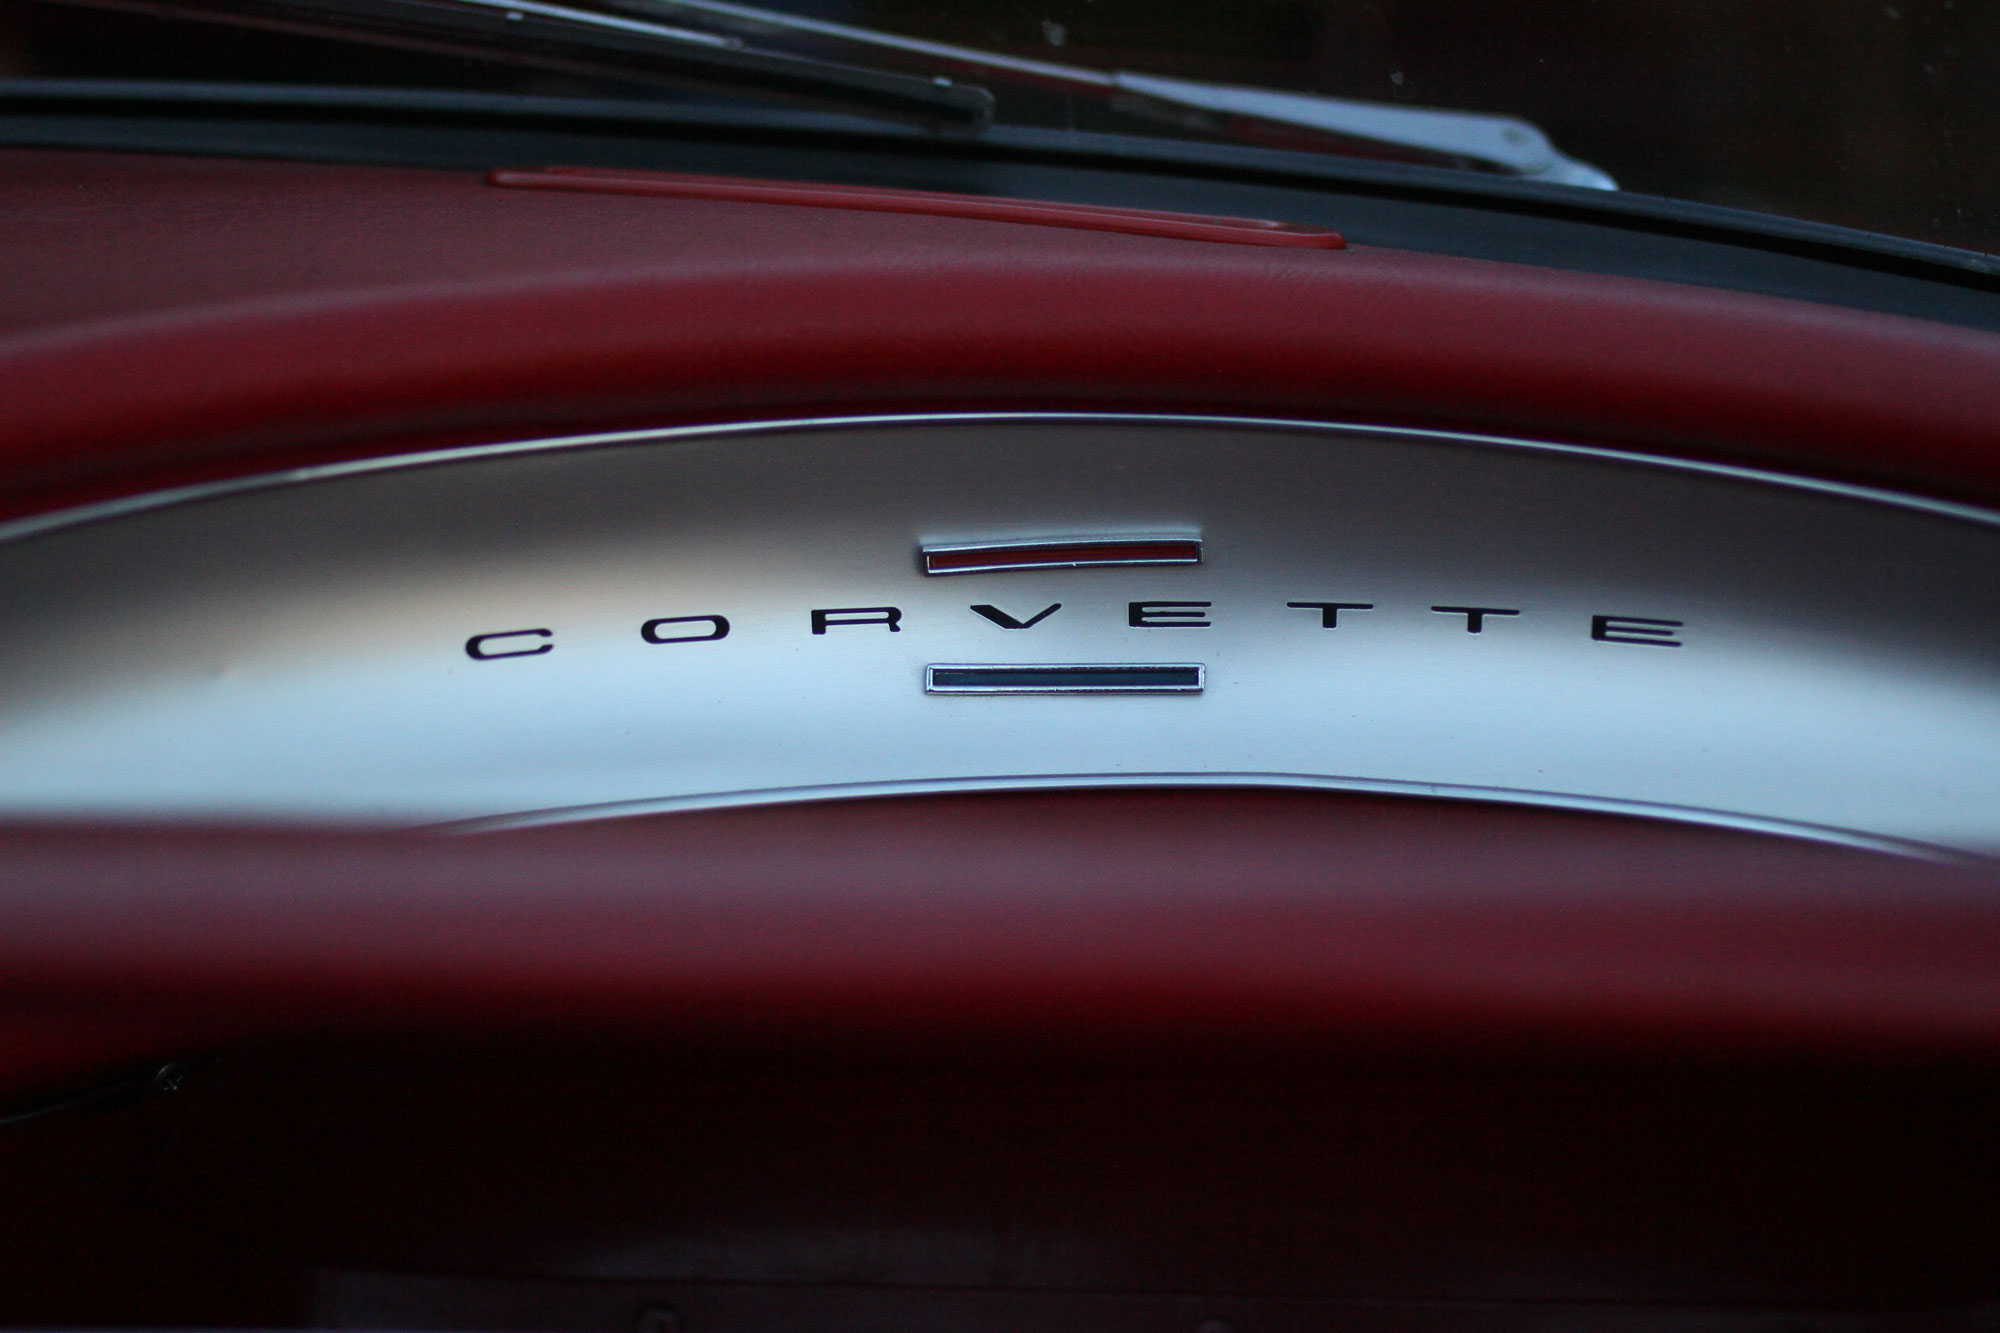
<point>1877,116</point>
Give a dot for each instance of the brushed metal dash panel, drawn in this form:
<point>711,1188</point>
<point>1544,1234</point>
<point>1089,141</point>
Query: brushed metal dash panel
<point>736,615</point>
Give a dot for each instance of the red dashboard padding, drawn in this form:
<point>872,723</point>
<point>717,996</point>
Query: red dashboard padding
<point>170,318</point>
<point>1235,916</point>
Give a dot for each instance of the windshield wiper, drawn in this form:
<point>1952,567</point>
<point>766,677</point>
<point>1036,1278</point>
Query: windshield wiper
<point>650,41</point>
<point>595,44</point>
<point>1503,145</point>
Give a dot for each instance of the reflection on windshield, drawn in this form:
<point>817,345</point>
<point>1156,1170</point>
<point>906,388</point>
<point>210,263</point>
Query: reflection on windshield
<point>1871,115</point>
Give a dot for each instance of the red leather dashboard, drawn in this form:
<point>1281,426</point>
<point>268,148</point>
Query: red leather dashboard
<point>280,312</point>
<point>175,319</point>
<point>1259,917</point>
<point>286,312</point>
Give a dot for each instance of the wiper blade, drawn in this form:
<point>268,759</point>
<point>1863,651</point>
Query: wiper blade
<point>594,44</point>
<point>1504,145</point>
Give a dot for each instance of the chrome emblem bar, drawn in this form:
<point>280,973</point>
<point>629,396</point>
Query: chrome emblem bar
<point>1068,678</point>
<point>1061,553</point>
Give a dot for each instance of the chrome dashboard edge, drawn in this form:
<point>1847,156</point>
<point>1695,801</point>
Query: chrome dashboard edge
<point>1055,782</point>
<point>31,525</point>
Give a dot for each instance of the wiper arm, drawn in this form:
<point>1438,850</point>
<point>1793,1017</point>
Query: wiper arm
<point>594,44</point>
<point>1498,143</point>
<point>1506,145</point>
<point>645,42</point>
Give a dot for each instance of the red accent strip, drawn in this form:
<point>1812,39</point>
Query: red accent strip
<point>1056,556</point>
<point>1085,217</point>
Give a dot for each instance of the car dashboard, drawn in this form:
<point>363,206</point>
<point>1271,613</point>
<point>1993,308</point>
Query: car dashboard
<point>980,744</point>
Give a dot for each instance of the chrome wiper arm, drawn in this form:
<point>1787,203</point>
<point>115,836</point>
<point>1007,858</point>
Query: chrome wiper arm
<point>598,44</point>
<point>1501,143</point>
<point>1506,145</point>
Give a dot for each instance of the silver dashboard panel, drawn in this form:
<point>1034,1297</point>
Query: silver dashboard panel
<point>1673,640</point>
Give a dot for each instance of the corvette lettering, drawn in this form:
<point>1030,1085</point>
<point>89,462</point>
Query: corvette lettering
<point>710,627</point>
<point>509,643</point>
<point>1006,621</point>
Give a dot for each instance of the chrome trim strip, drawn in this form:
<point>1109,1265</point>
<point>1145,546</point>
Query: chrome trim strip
<point>1065,678</point>
<point>36,524</point>
<point>1720,819</point>
<point>1080,547</point>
